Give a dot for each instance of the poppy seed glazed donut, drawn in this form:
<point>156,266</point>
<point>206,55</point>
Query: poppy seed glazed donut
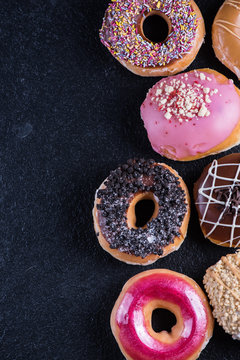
<point>140,182</point>
<point>166,289</point>
<point>123,34</point>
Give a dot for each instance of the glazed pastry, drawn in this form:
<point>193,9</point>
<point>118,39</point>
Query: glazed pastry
<point>222,283</point>
<point>226,35</point>
<point>124,34</point>
<point>217,198</point>
<point>124,198</point>
<point>131,318</point>
<point>192,115</point>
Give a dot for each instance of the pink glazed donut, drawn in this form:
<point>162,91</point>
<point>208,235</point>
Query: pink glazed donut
<point>161,288</point>
<point>192,115</point>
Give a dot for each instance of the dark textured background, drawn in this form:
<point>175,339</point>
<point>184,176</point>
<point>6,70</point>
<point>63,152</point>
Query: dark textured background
<point>69,113</point>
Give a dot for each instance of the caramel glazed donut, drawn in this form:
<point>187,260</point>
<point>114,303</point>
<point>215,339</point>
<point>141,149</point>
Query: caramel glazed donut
<point>122,33</point>
<point>226,35</point>
<point>115,219</point>
<point>132,314</point>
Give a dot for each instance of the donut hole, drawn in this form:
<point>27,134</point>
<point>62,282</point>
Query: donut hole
<point>143,208</point>
<point>156,27</point>
<point>163,320</point>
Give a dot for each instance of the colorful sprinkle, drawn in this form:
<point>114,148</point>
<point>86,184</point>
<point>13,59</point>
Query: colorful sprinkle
<point>119,32</point>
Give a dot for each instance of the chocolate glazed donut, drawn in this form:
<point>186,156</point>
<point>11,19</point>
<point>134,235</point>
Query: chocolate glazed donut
<point>123,226</point>
<point>217,198</point>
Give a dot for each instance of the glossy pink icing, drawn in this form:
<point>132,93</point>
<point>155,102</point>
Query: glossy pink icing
<point>200,134</point>
<point>133,334</point>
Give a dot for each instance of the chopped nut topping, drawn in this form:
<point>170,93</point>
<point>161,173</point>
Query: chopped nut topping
<point>183,100</point>
<point>222,283</point>
<point>168,115</point>
<point>206,90</point>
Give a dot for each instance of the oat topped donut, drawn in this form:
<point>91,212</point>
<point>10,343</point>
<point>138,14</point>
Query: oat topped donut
<point>222,283</point>
<point>179,32</point>
<point>141,212</point>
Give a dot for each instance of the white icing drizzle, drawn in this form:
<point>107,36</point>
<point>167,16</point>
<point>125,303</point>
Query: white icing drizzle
<point>224,23</point>
<point>222,283</point>
<point>233,3</point>
<point>221,21</point>
<point>207,193</point>
<point>218,22</point>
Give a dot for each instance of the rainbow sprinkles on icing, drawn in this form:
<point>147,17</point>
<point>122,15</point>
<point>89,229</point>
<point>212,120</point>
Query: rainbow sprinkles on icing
<point>120,31</point>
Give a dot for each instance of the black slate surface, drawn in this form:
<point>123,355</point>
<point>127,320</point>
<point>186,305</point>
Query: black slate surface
<point>69,113</point>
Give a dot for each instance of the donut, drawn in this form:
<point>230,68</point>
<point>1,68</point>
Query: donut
<point>222,284</point>
<point>152,37</point>
<point>165,289</point>
<point>226,35</point>
<point>141,212</point>
<point>217,199</point>
<point>192,115</point>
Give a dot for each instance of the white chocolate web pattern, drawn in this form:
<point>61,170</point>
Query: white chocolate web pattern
<point>207,193</point>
